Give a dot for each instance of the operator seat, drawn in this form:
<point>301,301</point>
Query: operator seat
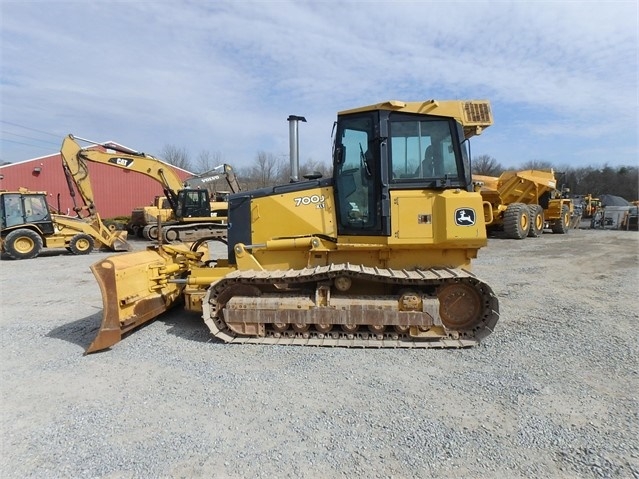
<point>427,167</point>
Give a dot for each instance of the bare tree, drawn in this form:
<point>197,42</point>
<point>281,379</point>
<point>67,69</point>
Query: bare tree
<point>627,179</point>
<point>536,165</point>
<point>265,170</point>
<point>177,157</point>
<point>486,165</point>
<point>207,160</point>
<point>283,170</point>
<point>315,166</point>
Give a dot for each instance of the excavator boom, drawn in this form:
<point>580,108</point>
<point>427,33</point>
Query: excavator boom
<point>75,158</point>
<point>221,172</point>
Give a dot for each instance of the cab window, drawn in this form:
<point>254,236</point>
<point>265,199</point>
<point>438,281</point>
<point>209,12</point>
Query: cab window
<point>12,210</point>
<point>422,149</point>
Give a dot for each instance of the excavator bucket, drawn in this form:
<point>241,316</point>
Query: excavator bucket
<point>135,290</point>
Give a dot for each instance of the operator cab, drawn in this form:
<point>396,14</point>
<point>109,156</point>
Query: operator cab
<point>193,203</point>
<point>380,150</point>
<point>17,209</point>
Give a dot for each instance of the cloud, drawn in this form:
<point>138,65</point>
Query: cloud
<point>224,76</point>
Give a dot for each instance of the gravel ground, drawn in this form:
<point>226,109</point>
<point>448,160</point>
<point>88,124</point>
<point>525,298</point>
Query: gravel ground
<point>553,392</point>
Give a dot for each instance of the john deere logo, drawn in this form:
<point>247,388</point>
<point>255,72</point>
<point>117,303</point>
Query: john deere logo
<point>464,217</point>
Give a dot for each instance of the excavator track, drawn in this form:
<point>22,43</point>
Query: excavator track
<point>440,308</point>
<point>184,233</point>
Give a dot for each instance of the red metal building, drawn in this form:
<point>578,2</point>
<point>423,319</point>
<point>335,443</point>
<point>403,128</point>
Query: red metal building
<point>116,191</point>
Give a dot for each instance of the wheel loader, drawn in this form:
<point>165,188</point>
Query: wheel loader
<point>27,224</point>
<point>379,255</point>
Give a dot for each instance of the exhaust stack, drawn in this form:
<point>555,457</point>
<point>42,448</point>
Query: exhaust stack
<point>294,143</point>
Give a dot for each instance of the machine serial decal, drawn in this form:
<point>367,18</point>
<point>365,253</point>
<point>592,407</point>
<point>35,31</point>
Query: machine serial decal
<point>317,200</point>
<point>464,217</point>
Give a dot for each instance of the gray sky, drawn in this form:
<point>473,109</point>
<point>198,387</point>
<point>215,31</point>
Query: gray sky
<point>223,76</point>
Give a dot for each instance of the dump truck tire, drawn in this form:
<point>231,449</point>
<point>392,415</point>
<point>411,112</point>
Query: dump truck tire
<point>81,244</point>
<point>562,225</point>
<point>517,221</point>
<point>23,244</point>
<point>536,221</point>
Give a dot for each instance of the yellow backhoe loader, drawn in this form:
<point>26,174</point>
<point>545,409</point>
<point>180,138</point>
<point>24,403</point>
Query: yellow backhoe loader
<point>193,217</point>
<point>27,225</point>
<point>379,255</point>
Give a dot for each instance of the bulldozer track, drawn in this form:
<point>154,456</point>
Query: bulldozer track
<point>417,278</point>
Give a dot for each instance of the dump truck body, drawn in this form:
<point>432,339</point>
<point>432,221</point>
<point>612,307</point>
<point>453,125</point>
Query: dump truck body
<point>524,203</point>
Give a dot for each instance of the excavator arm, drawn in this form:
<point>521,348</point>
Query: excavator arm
<point>75,157</point>
<point>90,223</point>
<point>224,171</point>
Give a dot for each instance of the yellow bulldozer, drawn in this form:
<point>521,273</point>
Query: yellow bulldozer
<point>378,255</point>
<point>524,203</point>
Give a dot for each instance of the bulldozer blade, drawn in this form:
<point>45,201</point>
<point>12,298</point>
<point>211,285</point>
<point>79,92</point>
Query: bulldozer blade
<point>134,291</point>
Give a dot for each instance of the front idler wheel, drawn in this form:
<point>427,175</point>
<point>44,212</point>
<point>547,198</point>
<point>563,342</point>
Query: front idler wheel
<point>460,306</point>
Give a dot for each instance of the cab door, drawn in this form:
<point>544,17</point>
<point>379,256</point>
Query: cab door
<point>357,177</point>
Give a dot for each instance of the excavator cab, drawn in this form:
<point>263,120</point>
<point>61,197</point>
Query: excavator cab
<point>194,203</point>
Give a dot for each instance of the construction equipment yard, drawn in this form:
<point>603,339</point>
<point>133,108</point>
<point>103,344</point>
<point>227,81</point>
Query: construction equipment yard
<point>553,392</point>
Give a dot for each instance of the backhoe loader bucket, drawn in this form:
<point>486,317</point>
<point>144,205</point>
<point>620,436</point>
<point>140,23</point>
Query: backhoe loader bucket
<point>134,291</point>
<point>120,242</point>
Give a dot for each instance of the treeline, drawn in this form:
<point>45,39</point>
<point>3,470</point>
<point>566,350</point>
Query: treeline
<point>620,180</point>
<point>268,170</point>
<point>265,170</point>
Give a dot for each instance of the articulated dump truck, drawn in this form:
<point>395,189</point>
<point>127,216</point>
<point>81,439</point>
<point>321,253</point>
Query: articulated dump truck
<point>523,203</point>
<point>378,255</point>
